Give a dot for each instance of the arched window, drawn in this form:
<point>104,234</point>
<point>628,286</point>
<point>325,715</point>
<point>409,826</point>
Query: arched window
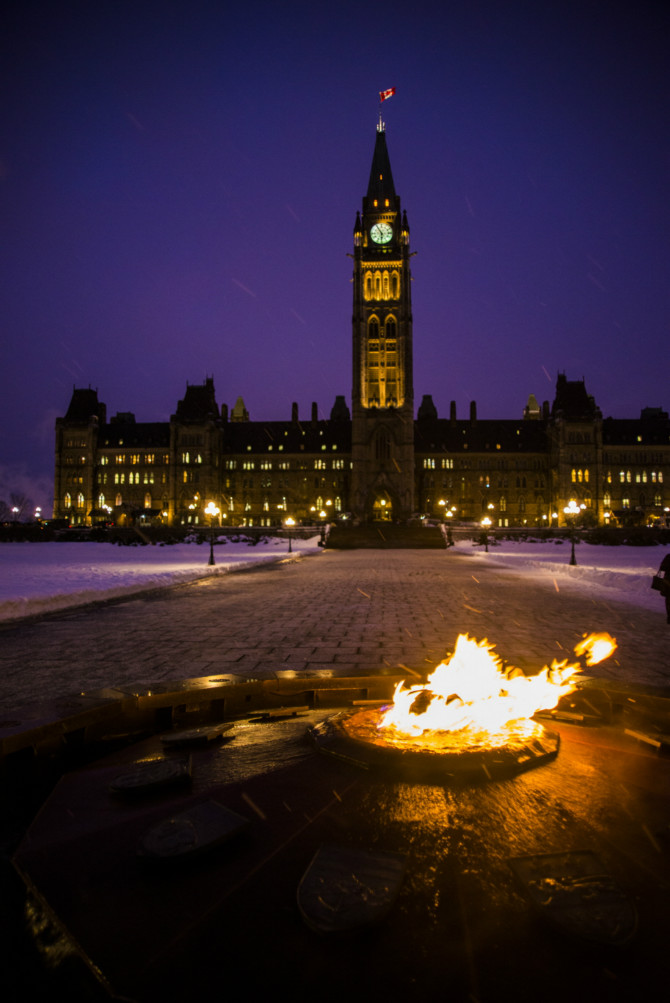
<point>119,500</point>
<point>395,285</point>
<point>385,286</point>
<point>390,327</point>
<point>382,445</point>
<point>368,286</point>
<point>67,501</point>
<point>80,500</point>
<point>373,327</point>
<point>378,285</point>
<point>147,500</point>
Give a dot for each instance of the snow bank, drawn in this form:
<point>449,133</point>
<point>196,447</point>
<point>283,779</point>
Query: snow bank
<point>622,574</point>
<point>42,577</point>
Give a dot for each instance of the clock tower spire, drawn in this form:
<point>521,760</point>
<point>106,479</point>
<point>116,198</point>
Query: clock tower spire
<point>382,396</point>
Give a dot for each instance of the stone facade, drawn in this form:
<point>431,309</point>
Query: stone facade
<point>378,462</point>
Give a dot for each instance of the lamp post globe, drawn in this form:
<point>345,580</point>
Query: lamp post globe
<point>289,523</point>
<point>212,511</point>
<point>571,511</point>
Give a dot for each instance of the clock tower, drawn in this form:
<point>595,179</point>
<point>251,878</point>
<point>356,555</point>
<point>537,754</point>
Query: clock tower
<point>382,394</point>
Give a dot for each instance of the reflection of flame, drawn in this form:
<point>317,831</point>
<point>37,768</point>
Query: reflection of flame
<point>473,695</point>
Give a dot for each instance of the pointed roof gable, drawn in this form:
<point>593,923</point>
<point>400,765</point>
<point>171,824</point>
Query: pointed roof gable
<point>572,402</point>
<point>199,403</point>
<point>85,406</point>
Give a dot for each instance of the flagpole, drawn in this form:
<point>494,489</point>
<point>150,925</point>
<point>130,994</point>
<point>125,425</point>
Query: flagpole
<point>383,95</point>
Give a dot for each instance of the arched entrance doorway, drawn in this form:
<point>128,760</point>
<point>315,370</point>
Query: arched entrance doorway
<point>382,508</point>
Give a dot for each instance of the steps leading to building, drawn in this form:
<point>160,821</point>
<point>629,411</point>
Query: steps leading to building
<point>385,536</point>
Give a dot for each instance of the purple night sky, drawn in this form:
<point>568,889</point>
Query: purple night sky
<point>180,182</point>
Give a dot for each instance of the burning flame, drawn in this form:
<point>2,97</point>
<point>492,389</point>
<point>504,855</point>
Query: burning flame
<point>472,695</point>
<point>596,647</point>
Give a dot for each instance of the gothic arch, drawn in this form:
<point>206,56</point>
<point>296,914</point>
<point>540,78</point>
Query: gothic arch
<point>382,444</point>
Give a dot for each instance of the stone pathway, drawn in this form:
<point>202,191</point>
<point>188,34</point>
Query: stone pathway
<point>341,613</point>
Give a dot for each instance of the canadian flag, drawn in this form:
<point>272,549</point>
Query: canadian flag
<point>383,95</point>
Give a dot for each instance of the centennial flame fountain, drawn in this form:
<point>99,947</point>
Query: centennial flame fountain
<point>472,715</point>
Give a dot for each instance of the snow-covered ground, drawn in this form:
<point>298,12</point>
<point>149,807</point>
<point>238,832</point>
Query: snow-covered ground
<point>41,577</point>
<point>622,574</point>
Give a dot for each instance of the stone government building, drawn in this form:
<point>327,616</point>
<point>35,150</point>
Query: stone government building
<point>377,462</point>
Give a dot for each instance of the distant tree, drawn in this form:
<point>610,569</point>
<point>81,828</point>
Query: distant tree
<point>18,509</point>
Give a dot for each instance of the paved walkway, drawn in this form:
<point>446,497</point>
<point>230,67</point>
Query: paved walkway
<point>342,613</point>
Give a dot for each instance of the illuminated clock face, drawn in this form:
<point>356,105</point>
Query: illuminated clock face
<point>381,233</point>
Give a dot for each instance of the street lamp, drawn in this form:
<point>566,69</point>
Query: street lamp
<point>571,511</point>
<point>449,515</point>
<point>212,511</point>
<point>290,523</point>
<point>486,525</point>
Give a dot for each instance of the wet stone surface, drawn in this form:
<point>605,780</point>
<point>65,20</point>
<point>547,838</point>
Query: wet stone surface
<point>340,613</point>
